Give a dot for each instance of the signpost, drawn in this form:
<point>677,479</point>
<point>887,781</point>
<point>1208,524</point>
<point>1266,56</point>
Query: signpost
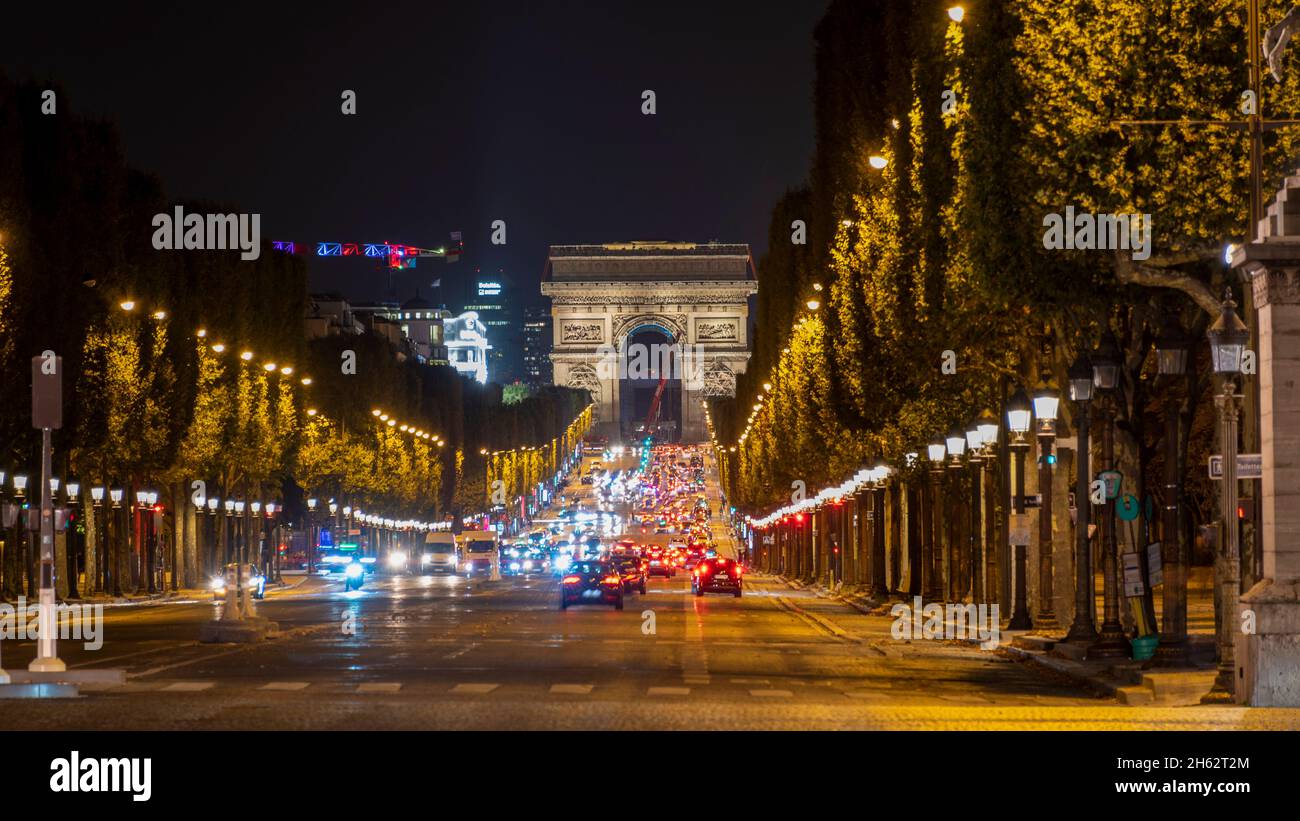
<point>1249,466</point>
<point>47,414</point>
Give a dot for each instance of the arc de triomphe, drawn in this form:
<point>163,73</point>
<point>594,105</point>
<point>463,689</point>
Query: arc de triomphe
<point>695,294</point>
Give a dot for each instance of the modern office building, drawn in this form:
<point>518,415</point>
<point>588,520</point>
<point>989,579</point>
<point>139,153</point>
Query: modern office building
<point>490,300</point>
<point>537,344</point>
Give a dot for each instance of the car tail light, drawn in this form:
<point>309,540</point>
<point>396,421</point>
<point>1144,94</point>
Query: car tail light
<point>572,579</point>
<point>611,580</point>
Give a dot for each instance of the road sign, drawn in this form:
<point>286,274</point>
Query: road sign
<point>1133,575</point>
<point>1249,466</point>
<point>1034,500</point>
<point>1155,564</point>
<point>47,391</point>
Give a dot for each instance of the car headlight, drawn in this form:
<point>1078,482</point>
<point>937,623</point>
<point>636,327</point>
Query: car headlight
<point>218,584</point>
<point>528,564</point>
<point>426,558</point>
<point>396,559</point>
<point>354,570</point>
<point>514,565</point>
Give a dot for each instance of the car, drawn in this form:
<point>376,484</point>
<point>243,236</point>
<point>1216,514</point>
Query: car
<point>660,564</point>
<point>717,575</point>
<point>632,570</point>
<point>439,554</point>
<point>692,557</point>
<point>591,581</point>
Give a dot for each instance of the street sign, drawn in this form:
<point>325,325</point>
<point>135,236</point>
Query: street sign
<point>1018,530</point>
<point>1249,466</point>
<point>1155,564</point>
<point>47,391</point>
<point>1133,575</point>
<point>1033,501</point>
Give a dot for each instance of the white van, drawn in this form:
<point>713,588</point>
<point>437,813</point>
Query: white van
<point>439,553</point>
<point>481,553</point>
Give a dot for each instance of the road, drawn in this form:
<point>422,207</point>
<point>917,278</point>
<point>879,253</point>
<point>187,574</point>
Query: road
<point>410,652</point>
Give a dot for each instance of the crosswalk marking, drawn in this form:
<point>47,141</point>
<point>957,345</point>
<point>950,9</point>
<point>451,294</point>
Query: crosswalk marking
<point>478,689</point>
<point>188,687</point>
<point>379,687</point>
<point>572,689</point>
<point>286,685</point>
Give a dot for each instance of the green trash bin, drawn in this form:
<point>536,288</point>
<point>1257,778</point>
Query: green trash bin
<point>1144,647</point>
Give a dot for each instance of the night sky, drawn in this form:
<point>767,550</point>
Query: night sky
<point>527,112</point>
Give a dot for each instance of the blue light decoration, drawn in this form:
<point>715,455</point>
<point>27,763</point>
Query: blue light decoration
<point>329,249</point>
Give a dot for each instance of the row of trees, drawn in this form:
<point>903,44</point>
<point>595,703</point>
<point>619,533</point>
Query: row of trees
<point>193,365</point>
<point>984,126</point>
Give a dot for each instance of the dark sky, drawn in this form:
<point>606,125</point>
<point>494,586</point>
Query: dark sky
<point>528,112</point>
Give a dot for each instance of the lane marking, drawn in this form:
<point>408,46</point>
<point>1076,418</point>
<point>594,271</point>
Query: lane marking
<point>572,689</point>
<point>771,693</point>
<point>762,681</point>
<point>286,685</point>
<point>475,689</point>
<point>668,691</point>
<point>379,687</point>
<point>188,687</point>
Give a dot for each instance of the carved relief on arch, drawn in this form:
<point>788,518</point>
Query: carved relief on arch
<point>626,323</point>
<point>585,377</point>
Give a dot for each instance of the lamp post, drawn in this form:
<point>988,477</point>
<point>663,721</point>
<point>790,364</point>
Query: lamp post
<point>1047,401</point>
<point>879,583</point>
<point>975,520</point>
<point>1172,349</point>
<point>1228,339</point>
<point>1019,414</point>
<point>936,451</point>
<point>214,504</point>
<point>988,429</point>
<point>957,587</point>
<point>97,585</point>
<point>1111,643</point>
<point>113,581</point>
<point>311,534</point>
<point>1082,629</point>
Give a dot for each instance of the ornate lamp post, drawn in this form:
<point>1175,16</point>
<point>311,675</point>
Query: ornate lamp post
<point>1228,339</point>
<point>1082,629</point>
<point>115,576</point>
<point>311,534</point>
<point>936,451</point>
<point>975,455</point>
<point>100,583</point>
<point>988,429</point>
<point>1111,643</point>
<point>1047,401</point>
<point>879,583</point>
<point>957,586</point>
<point>1172,349</point>
<point>1019,415</point>
<point>214,504</point>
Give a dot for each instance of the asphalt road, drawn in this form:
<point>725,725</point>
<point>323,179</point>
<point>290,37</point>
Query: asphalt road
<point>411,652</point>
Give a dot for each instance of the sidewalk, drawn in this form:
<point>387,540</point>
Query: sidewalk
<point>289,583</point>
<point>1129,681</point>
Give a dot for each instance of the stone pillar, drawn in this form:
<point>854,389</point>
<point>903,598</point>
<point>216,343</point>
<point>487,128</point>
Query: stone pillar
<point>1268,659</point>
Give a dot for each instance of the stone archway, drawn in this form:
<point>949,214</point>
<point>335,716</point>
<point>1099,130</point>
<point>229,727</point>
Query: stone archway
<point>696,294</point>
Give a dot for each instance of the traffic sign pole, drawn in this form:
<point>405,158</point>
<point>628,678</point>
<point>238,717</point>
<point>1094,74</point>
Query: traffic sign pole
<point>47,414</point>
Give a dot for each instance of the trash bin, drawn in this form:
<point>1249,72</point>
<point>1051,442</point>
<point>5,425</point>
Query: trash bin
<point>1144,647</point>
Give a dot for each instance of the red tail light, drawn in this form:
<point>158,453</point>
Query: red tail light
<point>611,580</point>
<point>572,579</point>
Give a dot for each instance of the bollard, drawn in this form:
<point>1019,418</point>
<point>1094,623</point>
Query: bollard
<point>230,607</point>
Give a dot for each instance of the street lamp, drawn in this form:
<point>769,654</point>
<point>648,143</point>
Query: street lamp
<point>1047,402</point>
<point>73,489</point>
<point>1019,416</point>
<point>116,495</point>
<point>1228,339</point>
<point>935,451</point>
<point>1173,350</point>
<point>976,456</point>
<point>1081,629</point>
<point>956,446</point>
<point>20,485</point>
<point>1111,642</point>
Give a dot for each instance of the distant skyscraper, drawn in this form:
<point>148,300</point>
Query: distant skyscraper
<point>537,346</point>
